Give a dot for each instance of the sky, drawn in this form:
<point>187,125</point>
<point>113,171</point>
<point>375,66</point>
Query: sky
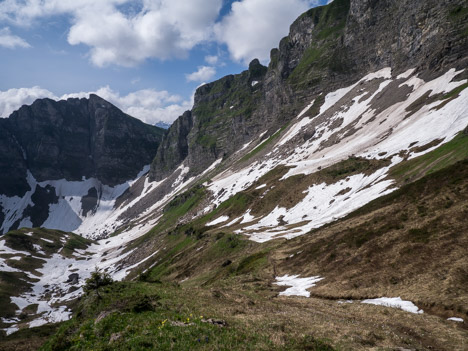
<point>145,56</point>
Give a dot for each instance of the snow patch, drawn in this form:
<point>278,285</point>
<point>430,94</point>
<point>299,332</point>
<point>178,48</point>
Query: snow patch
<point>455,319</point>
<point>218,220</point>
<point>395,302</point>
<point>406,74</point>
<point>298,286</point>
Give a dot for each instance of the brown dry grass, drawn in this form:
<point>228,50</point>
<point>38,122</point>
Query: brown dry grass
<point>412,243</point>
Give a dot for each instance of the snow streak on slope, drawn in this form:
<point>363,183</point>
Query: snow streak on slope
<point>395,302</point>
<point>298,286</point>
<point>68,213</point>
<point>50,290</point>
<point>376,118</point>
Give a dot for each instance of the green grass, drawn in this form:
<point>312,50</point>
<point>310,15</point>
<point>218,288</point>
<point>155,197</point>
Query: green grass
<point>349,167</point>
<point>458,12</point>
<point>264,144</point>
<point>444,156</point>
<point>324,54</point>
<point>75,242</point>
<point>177,208</point>
<point>207,141</point>
<point>142,316</point>
<point>234,206</point>
<point>455,92</point>
<point>252,263</point>
<point>179,244</point>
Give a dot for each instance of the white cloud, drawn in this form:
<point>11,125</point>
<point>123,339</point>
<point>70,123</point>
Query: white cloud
<point>211,59</point>
<point>13,99</point>
<point>11,41</point>
<point>254,27</point>
<point>203,74</point>
<point>156,29</point>
<point>148,105</point>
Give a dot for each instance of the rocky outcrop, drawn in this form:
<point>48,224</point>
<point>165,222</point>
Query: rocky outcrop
<point>13,165</point>
<point>174,148</point>
<point>73,139</point>
<point>327,48</point>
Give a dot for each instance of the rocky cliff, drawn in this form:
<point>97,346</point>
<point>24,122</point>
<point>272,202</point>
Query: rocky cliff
<point>76,150</point>
<point>328,47</point>
<point>72,140</point>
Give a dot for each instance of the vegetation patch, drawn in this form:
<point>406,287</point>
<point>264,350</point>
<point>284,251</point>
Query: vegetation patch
<point>264,144</point>
<point>445,155</point>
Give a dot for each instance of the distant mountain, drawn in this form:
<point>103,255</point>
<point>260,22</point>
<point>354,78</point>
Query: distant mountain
<point>162,125</point>
<point>52,142</point>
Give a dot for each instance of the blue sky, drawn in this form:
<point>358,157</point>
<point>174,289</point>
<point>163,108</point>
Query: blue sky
<point>145,56</point>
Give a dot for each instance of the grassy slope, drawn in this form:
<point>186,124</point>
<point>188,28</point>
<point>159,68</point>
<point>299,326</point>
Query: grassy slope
<point>411,243</point>
<point>443,156</point>
<point>15,283</point>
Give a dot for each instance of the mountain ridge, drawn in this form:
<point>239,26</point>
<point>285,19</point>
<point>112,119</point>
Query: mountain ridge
<point>341,164</point>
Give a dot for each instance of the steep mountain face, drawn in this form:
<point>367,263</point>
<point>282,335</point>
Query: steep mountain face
<point>174,148</point>
<point>328,48</point>
<point>68,141</point>
<point>82,138</point>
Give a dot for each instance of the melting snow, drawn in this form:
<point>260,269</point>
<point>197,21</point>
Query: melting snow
<point>376,136</point>
<point>394,302</point>
<point>455,319</point>
<point>247,217</point>
<point>298,286</point>
<point>218,220</point>
<point>406,74</point>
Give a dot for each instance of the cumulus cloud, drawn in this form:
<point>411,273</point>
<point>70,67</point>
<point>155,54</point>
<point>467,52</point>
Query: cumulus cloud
<point>13,99</point>
<point>148,105</point>
<point>254,27</point>
<point>118,33</point>
<point>212,59</point>
<point>203,74</point>
<point>11,41</point>
<point>127,32</point>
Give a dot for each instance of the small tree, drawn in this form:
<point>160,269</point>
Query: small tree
<point>97,280</point>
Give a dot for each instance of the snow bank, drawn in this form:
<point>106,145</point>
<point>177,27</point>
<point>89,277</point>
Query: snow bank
<point>455,319</point>
<point>394,302</point>
<point>298,286</point>
<point>221,219</point>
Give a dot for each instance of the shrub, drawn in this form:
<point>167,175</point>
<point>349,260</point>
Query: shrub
<point>97,280</point>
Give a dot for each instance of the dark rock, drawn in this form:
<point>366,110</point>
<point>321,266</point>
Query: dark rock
<point>13,165</point>
<point>328,47</point>
<point>73,278</point>
<point>217,322</point>
<point>42,199</point>
<point>90,201</point>
<point>173,149</point>
<point>226,263</point>
<point>73,139</point>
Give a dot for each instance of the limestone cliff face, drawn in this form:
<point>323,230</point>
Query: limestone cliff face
<point>174,148</point>
<point>73,139</point>
<point>328,47</point>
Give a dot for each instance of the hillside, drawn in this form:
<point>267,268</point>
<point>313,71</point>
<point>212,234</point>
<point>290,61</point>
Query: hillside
<point>291,208</point>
